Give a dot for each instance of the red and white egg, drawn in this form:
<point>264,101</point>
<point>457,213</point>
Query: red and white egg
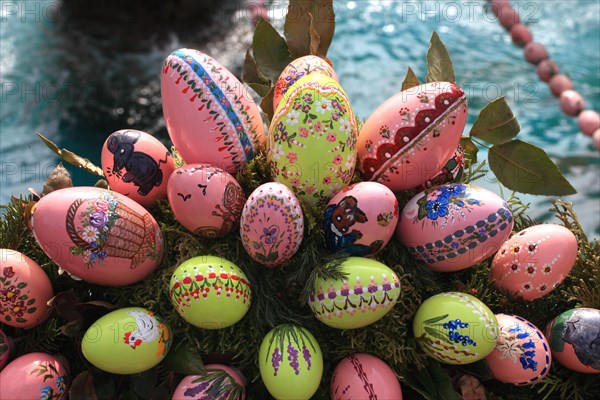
<point>363,376</point>
<point>34,376</point>
<point>137,165</point>
<point>24,291</point>
<point>534,261</point>
<point>272,224</point>
<point>522,353</point>
<point>361,219</point>
<point>455,226</point>
<point>196,387</point>
<point>205,199</point>
<point>409,138</point>
<point>209,114</point>
<point>295,70</point>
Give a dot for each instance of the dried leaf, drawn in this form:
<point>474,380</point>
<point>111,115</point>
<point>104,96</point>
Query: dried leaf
<point>470,150</point>
<point>315,39</point>
<point>270,50</point>
<point>82,387</point>
<point>253,77</point>
<point>58,179</point>
<point>410,80</point>
<point>72,158</point>
<point>101,183</point>
<point>496,123</point>
<point>439,64</point>
<point>525,168</point>
<point>297,28</point>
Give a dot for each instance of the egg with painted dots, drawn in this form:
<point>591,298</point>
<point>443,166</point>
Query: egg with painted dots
<point>272,224</point>
<point>408,139</point>
<point>534,261</point>
<point>522,354</point>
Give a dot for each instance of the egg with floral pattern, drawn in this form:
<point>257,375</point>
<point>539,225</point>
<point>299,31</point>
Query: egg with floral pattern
<point>5,346</point>
<point>574,337</point>
<point>311,145</point>
<point>137,165</point>
<point>409,138</point>
<point>290,362</point>
<point>98,235</point>
<point>367,293</point>
<point>206,200</point>
<point>295,70</point>
<point>522,354</point>
<point>363,376</point>
<point>210,116</point>
<point>228,381</point>
<point>534,261</point>
<point>272,224</point>
<point>24,290</point>
<point>361,219</point>
<point>210,292</point>
<point>454,226</point>
<point>34,376</point>
<point>455,328</point>
<point>127,341</point>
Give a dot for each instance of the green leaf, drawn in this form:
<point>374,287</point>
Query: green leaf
<point>31,310</point>
<point>21,285</point>
<point>30,302</point>
<point>432,382</point>
<point>301,30</point>
<point>478,369</point>
<point>439,64</point>
<point>435,319</point>
<point>410,80</point>
<point>470,149</point>
<point>184,359</point>
<point>72,158</point>
<point>82,387</point>
<point>496,123</point>
<point>267,106</point>
<point>270,50</point>
<point>253,77</point>
<point>525,168</point>
<point>442,381</point>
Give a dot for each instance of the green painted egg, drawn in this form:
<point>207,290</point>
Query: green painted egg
<point>291,362</point>
<point>455,328</point>
<point>126,341</point>
<point>210,292</point>
<point>369,291</point>
<point>311,144</point>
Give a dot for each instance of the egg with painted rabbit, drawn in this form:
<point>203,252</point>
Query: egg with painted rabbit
<point>35,376</point>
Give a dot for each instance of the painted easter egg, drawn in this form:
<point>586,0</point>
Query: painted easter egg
<point>290,362</point>
<point>451,171</point>
<point>137,165</point>
<point>24,290</point>
<point>311,146</point>
<point>454,226</point>
<point>297,69</point>
<point>206,200</point>
<point>126,341</point>
<point>210,292</point>
<point>363,376</point>
<point>409,138</point>
<point>98,235</point>
<point>272,224</point>
<point>573,337</point>
<point>369,291</point>
<point>455,328</point>
<point>361,219</point>
<point>5,346</point>
<point>227,381</point>
<point>522,354</point>
<point>210,116</point>
<point>34,376</point>
<point>534,261</point>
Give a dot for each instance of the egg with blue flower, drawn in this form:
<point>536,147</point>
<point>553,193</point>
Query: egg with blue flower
<point>35,376</point>
<point>454,226</point>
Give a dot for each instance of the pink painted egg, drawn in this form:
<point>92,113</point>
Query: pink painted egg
<point>98,235</point>
<point>534,261</point>
<point>5,347</point>
<point>363,376</point>
<point>451,171</point>
<point>573,337</point>
<point>297,69</point>
<point>522,354</point>
<point>209,114</point>
<point>137,165</point>
<point>360,220</point>
<point>535,53</point>
<point>589,122</point>
<point>205,199</point>
<point>272,224</point>
<point>560,83</point>
<point>197,387</point>
<point>34,376</point>
<point>455,226</point>
<point>546,69</point>
<point>24,291</point>
<point>571,102</point>
<point>408,138</point>
<point>520,34</point>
